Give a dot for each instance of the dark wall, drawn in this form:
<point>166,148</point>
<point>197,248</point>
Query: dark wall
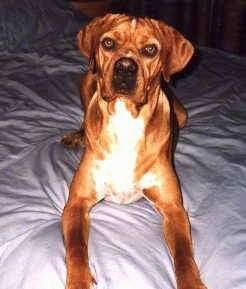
<point>215,23</point>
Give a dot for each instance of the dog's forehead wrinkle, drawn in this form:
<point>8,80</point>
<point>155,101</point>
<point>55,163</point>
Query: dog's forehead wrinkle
<point>133,30</point>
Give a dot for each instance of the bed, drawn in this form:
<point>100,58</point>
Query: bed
<point>39,103</point>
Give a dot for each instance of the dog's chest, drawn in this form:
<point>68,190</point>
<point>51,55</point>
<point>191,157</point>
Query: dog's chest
<point>114,176</point>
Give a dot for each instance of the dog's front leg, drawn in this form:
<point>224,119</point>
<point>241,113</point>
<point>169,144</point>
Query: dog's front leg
<point>176,228</point>
<point>75,231</point>
<point>75,225</point>
<point>177,233</point>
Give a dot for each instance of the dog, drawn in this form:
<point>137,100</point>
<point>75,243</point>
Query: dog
<point>128,134</point>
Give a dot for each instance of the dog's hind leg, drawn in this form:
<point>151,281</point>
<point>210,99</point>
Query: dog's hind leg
<point>76,139</point>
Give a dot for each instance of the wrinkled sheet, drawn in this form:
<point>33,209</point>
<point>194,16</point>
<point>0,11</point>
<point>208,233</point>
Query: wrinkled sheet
<point>39,102</point>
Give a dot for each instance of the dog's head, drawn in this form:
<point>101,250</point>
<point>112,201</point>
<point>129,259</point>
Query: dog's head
<point>128,55</point>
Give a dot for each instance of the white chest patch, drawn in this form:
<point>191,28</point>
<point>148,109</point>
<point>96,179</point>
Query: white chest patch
<point>114,176</point>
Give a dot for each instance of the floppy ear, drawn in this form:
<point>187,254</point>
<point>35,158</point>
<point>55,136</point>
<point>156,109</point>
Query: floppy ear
<point>87,40</point>
<point>89,36</point>
<point>176,50</point>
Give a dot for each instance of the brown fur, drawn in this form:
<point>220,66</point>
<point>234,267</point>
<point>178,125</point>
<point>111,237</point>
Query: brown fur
<point>154,151</point>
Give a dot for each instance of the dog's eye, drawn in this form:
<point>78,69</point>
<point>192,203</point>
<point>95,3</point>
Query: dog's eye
<point>108,43</point>
<point>149,50</point>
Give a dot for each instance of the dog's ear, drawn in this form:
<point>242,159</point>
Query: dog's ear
<point>176,50</point>
<point>87,40</point>
<point>89,36</point>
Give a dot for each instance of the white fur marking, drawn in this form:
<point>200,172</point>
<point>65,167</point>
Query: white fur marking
<point>134,23</point>
<point>114,176</point>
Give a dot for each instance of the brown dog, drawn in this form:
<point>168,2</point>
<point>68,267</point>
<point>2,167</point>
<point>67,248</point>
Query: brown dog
<point>128,134</point>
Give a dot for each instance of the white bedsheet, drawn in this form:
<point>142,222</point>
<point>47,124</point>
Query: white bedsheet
<point>39,102</point>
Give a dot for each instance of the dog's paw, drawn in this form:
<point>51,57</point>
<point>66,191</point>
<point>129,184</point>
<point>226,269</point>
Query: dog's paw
<point>192,285</point>
<point>81,284</point>
<point>82,279</point>
<point>73,140</point>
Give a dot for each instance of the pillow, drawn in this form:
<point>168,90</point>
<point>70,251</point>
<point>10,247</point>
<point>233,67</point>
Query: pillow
<point>25,24</point>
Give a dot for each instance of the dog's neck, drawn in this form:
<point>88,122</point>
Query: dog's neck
<point>100,114</point>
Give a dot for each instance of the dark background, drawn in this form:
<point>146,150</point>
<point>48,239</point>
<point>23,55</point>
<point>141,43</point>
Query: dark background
<point>215,23</point>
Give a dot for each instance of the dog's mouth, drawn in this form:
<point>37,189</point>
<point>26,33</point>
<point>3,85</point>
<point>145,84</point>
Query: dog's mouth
<point>124,77</point>
<point>125,82</point>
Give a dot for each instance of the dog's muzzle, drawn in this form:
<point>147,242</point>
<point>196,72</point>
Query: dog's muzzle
<point>124,75</point>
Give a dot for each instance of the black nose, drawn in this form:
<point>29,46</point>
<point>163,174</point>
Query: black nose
<point>124,75</point>
<point>126,65</point>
